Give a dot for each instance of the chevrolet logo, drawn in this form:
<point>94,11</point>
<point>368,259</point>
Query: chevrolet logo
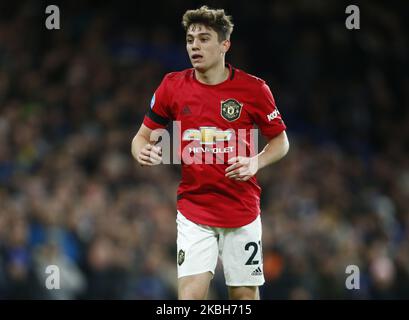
<point>207,135</point>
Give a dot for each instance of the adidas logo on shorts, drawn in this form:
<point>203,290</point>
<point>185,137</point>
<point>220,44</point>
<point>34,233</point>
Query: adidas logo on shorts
<point>257,272</point>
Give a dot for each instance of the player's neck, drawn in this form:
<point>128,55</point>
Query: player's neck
<point>213,76</point>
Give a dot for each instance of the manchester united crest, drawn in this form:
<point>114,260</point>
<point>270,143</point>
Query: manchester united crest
<point>181,257</point>
<point>231,109</point>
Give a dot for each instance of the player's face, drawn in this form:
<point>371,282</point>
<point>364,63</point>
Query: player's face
<point>203,46</point>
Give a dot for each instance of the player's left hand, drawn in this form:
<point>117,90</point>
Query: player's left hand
<point>242,168</point>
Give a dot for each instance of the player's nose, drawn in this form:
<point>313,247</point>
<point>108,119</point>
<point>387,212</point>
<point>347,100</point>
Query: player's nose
<point>195,44</point>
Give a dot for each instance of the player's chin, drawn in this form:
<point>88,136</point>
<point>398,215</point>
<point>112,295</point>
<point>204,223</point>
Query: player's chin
<point>199,66</point>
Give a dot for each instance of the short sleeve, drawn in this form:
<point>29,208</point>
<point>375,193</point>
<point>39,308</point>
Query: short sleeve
<point>159,115</point>
<point>266,115</point>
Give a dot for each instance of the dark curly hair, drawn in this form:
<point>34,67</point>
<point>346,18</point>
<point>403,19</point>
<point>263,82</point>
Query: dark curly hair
<point>213,18</point>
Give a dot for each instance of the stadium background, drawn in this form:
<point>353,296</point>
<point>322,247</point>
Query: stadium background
<point>71,194</point>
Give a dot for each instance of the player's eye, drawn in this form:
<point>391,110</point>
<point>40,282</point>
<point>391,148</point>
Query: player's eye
<point>189,40</point>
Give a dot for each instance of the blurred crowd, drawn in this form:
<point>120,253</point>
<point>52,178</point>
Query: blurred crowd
<point>71,194</point>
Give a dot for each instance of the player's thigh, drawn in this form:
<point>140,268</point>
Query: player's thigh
<point>197,249</point>
<point>241,254</point>
<point>244,293</point>
<point>194,287</point>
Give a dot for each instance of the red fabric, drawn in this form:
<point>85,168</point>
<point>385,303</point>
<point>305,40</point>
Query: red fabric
<point>205,195</point>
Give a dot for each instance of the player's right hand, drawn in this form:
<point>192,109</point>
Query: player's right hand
<point>150,155</point>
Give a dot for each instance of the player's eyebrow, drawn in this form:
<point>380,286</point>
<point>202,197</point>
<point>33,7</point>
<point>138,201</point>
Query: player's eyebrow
<point>199,34</point>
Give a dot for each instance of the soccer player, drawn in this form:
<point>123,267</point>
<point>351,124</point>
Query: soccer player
<point>218,208</point>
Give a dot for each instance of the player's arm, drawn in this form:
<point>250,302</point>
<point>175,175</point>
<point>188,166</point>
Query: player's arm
<point>243,168</point>
<point>274,150</point>
<point>143,149</point>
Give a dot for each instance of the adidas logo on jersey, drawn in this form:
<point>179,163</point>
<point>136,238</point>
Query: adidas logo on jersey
<point>257,272</point>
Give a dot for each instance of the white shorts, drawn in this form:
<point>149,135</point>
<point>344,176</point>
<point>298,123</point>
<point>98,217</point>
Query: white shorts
<point>240,251</point>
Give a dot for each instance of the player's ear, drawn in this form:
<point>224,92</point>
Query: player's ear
<point>225,45</point>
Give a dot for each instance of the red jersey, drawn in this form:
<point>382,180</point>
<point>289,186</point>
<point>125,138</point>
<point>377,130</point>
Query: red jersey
<point>210,118</point>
